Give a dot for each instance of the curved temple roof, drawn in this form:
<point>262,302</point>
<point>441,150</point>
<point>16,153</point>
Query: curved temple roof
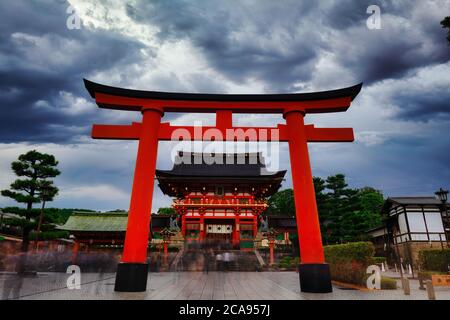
<point>237,165</point>
<point>93,88</point>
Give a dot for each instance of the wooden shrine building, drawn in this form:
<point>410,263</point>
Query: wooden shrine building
<point>220,198</point>
<point>410,225</point>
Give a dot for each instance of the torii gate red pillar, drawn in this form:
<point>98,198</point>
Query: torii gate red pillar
<point>133,266</point>
<point>314,273</point>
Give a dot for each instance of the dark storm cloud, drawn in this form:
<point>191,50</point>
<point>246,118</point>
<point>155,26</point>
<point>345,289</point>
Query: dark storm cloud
<point>347,13</point>
<point>265,40</point>
<point>343,14</point>
<point>40,58</point>
<point>281,43</point>
<point>391,53</point>
<point>411,165</point>
<point>424,106</point>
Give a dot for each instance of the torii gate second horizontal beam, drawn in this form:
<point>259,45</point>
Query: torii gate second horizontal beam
<point>168,132</point>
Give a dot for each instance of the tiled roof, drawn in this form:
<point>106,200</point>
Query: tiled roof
<point>95,221</point>
<point>219,165</point>
<point>415,200</point>
<point>282,221</point>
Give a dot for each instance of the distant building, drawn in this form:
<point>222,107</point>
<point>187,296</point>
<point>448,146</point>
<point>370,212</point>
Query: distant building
<point>411,224</point>
<point>105,228</point>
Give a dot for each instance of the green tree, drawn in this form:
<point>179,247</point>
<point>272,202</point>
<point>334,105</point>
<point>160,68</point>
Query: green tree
<point>47,192</point>
<point>36,168</point>
<point>322,206</point>
<point>166,211</point>
<point>282,203</point>
<point>345,213</point>
<point>371,203</point>
<point>341,202</point>
<point>446,24</point>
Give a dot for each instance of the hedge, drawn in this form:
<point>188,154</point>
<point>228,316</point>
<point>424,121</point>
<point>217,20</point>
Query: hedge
<point>378,260</point>
<point>426,275</point>
<point>388,283</point>
<point>288,262</point>
<point>349,262</point>
<point>246,244</point>
<point>434,259</point>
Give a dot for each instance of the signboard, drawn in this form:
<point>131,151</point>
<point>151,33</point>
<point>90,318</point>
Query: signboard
<point>219,228</point>
<point>440,280</point>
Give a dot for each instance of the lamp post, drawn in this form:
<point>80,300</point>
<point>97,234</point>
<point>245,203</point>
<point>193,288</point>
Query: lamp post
<point>271,235</point>
<point>166,234</point>
<point>442,195</point>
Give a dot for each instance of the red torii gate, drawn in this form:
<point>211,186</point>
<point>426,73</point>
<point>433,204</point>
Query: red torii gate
<point>133,269</point>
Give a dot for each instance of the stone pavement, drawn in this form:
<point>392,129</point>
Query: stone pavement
<point>195,285</point>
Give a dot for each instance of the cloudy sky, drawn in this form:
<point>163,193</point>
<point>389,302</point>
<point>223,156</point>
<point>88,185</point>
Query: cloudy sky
<point>401,117</point>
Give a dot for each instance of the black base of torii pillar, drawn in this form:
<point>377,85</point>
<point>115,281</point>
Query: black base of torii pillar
<point>315,278</point>
<point>131,277</point>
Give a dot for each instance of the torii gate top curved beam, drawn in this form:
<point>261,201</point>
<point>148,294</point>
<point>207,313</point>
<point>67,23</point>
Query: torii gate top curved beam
<point>135,100</point>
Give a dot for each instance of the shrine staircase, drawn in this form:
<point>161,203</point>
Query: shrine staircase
<point>194,261</point>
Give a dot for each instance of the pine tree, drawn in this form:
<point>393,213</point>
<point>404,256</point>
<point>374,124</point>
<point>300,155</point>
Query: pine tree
<point>36,168</point>
<point>342,202</point>
<point>282,203</point>
<point>345,214</point>
<point>322,208</point>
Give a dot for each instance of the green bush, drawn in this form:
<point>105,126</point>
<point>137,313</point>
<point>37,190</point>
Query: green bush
<point>348,262</point>
<point>246,244</point>
<point>426,275</point>
<point>378,260</point>
<point>286,259</point>
<point>2,238</point>
<point>280,236</point>
<point>293,237</point>
<point>361,252</point>
<point>434,259</point>
<point>388,283</point>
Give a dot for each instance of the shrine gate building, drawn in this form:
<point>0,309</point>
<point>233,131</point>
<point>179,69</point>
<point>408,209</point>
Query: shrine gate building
<point>220,201</point>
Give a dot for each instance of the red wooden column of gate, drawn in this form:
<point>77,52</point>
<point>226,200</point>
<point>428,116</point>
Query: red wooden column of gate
<point>309,235</point>
<point>132,271</point>
<point>134,267</point>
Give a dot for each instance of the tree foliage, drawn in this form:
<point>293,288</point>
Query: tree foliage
<point>34,186</point>
<point>446,24</point>
<point>344,213</point>
<point>166,211</point>
<point>51,215</point>
<point>282,203</point>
